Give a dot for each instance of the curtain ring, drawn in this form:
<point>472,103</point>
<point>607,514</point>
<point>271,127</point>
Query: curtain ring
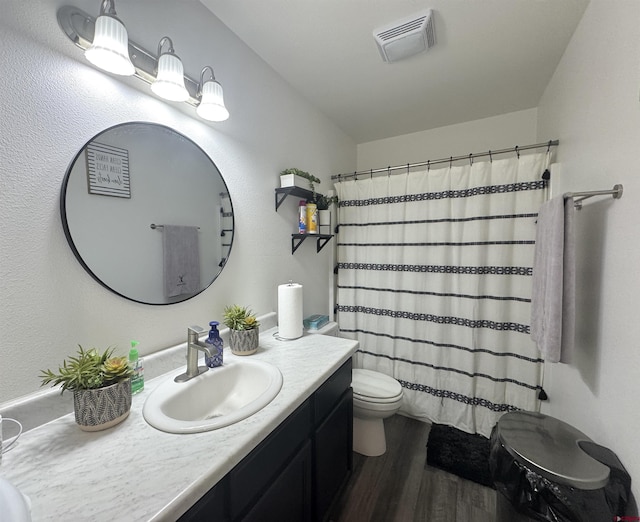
<point>549,147</point>
<point>371,174</point>
<point>355,175</point>
<point>490,157</point>
<point>450,161</point>
<point>471,159</point>
<point>389,171</point>
<point>407,168</point>
<point>517,152</point>
<point>428,165</point>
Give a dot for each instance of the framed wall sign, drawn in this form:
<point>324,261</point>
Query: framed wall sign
<point>108,170</point>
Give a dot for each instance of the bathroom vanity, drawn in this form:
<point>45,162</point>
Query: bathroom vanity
<point>296,472</point>
<point>287,461</point>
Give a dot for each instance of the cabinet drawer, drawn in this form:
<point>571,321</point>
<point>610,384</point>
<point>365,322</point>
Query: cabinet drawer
<point>330,392</point>
<point>249,479</point>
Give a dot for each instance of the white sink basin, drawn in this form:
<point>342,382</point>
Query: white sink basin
<point>214,399</point>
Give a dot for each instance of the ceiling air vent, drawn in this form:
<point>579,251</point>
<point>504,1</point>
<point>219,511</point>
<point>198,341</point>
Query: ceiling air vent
<point>406,37</point>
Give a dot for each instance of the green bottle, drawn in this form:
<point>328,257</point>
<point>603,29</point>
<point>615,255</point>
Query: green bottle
<point>135,362</point>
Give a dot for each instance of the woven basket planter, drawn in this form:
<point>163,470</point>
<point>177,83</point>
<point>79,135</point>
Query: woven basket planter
<point>244,342</point>
<point>102,408</point>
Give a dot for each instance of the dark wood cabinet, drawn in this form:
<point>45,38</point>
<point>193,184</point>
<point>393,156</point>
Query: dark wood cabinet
<point>297,471</point>
<point>265,465</point>
<point>289,496</point>
<point>333,455</point>
<point>212,506</point>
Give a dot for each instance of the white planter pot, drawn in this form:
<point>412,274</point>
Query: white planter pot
<point>325,217</point>
<point>325,221</point>
<point>291,180</point>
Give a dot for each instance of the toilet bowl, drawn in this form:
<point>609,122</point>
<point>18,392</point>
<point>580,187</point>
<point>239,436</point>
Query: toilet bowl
<point>376,396</point>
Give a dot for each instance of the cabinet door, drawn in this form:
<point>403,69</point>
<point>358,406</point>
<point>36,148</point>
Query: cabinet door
<point>210,507</point>
<point>327,396</point>
<point>257,471</point>
<point>333,456</point>
<point>289,496</point>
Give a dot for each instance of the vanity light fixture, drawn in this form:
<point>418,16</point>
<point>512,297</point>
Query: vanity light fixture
<point>110,47</point>
<point>169,82</point>
<point>164,72</point>
<point>212,103</point>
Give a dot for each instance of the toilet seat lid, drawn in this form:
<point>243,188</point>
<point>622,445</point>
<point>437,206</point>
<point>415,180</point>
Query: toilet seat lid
<point>374,386</point>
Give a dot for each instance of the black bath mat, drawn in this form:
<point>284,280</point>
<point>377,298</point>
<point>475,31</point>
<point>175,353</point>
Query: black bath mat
<point>459,453</point>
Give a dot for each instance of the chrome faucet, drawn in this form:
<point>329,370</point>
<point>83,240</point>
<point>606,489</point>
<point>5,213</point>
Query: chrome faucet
<point>193,346</point>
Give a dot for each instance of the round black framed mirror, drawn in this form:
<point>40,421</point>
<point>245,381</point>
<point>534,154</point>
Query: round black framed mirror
<point>147,213</point>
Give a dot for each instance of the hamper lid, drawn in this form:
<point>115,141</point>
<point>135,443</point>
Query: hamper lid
<point>550,447</point>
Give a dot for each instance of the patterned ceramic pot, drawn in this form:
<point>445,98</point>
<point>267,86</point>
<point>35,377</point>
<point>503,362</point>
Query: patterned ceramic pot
<point>244,342</point>
<point>102,408</point>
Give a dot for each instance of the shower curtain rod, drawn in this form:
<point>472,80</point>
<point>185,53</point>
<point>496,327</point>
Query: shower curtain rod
<point>451,159</point>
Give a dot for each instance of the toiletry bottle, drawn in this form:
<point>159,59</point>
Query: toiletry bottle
<point>136,363</point>
<point>214,342</point>
<point>302,217</point>
<point>312,218</point>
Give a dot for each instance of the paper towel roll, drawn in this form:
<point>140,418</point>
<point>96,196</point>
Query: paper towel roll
<point>290,311</point>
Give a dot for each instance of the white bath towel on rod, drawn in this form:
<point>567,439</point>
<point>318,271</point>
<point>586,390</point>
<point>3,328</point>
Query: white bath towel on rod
<point>181,251</point>
<point>553,292</point>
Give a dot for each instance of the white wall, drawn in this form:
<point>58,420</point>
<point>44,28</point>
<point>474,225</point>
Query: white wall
<point>592,106</point>
<point>497,132</point>
<point>52,103</point>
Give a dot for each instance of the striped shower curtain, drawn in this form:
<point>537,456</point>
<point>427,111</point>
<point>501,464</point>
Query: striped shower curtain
<point>434,281</point>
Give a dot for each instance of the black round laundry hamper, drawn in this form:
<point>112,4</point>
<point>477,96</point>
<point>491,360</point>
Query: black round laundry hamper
<point>546,470</point>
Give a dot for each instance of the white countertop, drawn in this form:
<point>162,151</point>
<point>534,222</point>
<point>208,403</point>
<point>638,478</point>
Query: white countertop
<point>133,472</point>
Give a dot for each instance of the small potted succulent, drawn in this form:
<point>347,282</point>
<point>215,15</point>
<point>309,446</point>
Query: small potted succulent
<point>324,202</point>
<point>244,329</point>
<point>296,178</point>
<point>101,385</point>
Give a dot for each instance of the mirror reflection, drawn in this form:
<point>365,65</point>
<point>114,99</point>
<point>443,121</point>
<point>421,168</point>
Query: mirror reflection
<point>147,213</point>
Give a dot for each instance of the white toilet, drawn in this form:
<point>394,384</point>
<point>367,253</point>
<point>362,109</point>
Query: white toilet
<point>376,396</point>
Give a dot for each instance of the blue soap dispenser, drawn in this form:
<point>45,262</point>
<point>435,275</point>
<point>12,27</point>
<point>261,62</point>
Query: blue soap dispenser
<point>214,342</point>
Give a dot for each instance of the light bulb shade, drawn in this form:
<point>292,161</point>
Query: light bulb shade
<point>212,105</point>
<point>169,83</point>
<point>110,48</point>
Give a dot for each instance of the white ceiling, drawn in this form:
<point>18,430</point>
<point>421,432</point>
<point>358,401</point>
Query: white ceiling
<point>491,57</point>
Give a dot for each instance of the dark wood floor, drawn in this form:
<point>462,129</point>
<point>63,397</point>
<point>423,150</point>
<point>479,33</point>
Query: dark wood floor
<point>399,487</point>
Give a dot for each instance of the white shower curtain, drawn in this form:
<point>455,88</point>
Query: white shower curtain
<point>434,280</point>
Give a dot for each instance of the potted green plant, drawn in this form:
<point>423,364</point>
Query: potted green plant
<point>298,178</point>
<point>101,386</point>
<point>244,329</point>
<point>324,202</point>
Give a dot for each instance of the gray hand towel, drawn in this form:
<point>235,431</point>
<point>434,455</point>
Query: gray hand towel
<point>181,260</point>
<point>553,292</point>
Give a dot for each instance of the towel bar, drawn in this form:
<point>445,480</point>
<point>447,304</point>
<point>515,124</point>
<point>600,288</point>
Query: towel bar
<point>154,226</point>
<point>616,192</point>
